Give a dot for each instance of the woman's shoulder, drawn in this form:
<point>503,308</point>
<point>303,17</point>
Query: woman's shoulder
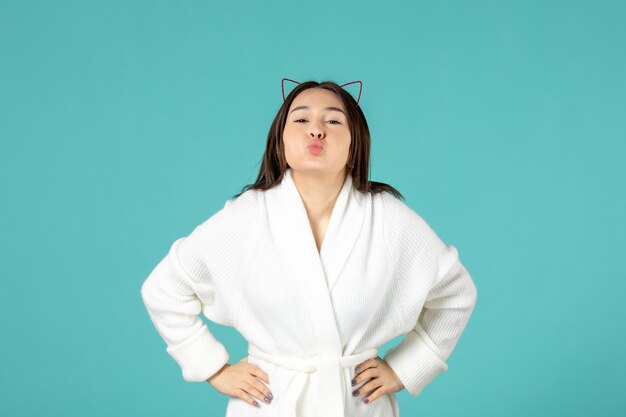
<point>397,213</point>
<point>218,239</point>
<point>245,203</point>
<point>404,227</point>
<point>228,224</point>
<point>237,212</point>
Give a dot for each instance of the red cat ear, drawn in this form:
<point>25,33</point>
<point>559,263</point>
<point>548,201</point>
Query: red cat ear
<point>360,89</point>
<point>283,85</point>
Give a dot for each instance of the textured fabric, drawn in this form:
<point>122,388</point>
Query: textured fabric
<point>254,265</point>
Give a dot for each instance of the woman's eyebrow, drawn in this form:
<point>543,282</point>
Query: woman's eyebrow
<point>327,108</point>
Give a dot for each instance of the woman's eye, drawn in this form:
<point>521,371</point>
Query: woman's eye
<point>336,121</point>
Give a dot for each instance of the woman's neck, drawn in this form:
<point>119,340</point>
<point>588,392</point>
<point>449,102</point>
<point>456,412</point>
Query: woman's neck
<point>319,191</point>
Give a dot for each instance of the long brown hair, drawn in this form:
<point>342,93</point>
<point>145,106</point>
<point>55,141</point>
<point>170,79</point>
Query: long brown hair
<point>274,163</point>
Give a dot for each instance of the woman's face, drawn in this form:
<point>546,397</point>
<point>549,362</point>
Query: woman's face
<point>316,135</point>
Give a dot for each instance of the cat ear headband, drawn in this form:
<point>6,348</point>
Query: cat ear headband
<point>351,82</point>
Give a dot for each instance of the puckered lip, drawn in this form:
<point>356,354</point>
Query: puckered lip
<point>315,143</point>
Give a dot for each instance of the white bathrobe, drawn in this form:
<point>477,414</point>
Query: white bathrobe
<point>310,317</point>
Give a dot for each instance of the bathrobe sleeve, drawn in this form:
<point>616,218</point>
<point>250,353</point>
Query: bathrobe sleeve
<point>196,276</point>
<point>428,265</point>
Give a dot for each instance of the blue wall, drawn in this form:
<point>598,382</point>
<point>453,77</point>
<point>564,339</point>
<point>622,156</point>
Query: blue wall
<point>123,124</point>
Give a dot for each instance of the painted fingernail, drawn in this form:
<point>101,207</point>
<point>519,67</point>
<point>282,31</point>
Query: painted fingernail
<point>353,382</point>
<point>270,395</point>
<point>366,400</point>
<point>255,403</point>
<point>267,399</point>
<point>356,370</point>
<point>356,393</point>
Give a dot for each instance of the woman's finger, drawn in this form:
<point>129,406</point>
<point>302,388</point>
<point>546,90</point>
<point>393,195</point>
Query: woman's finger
<point>369,363</point>
<point>368,387</point>
<point>258,372</point>
<point>365,375</point>
<point>256,388</point>
<point>241,393</point>
<point>374,395</point>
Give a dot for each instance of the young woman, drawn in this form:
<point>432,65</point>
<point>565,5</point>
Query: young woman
<point>316,267</point>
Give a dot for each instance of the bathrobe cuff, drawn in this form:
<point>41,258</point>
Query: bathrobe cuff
<point>200,356</point>
<point>415,362</point>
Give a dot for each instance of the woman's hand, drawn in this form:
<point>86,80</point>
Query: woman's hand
<point>241,381</point>
<point>381,380</point>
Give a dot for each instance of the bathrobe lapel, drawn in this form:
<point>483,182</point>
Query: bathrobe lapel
<point>316,273</point>
<point>343,230</point>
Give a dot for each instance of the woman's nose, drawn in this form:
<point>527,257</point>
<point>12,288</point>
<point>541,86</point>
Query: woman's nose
<point>316,133</point>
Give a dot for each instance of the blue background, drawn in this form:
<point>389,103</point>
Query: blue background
<point>124,124</point>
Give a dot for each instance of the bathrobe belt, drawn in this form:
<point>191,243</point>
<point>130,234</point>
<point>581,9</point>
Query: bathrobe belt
<point>331,387</point>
